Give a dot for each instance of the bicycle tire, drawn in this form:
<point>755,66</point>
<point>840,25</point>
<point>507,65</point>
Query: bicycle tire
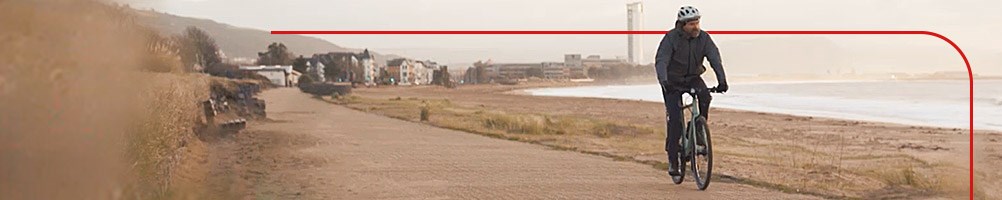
<point>681,168</point>
<point>702,181</point>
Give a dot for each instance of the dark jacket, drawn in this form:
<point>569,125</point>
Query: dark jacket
<point>680,56</point>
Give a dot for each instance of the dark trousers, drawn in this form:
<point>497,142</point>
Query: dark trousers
<point>672,93</point>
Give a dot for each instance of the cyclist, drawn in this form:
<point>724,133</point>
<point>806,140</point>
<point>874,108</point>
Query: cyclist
<point>679,64</point>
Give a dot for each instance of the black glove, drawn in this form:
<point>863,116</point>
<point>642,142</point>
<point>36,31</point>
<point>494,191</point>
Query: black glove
<point>722,87</point>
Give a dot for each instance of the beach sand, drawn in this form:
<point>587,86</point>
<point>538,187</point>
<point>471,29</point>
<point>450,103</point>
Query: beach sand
<point>826,157</point>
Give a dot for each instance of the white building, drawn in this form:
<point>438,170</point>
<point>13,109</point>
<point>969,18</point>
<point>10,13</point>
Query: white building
<point>635,22</point>
<point>315,70</point>
<point>419,72</point>
<point>401,71</point>
<point>370,71</point>
<point>555,70</point>
<point>277,74</point>
<point>424,72</point>
<point>294,78</point>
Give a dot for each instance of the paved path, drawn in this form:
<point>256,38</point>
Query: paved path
<point>324,151</point>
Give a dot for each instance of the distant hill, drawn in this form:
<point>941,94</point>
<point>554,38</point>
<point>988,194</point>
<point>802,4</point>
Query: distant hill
<point>245,42</point>
<point>776,55</point>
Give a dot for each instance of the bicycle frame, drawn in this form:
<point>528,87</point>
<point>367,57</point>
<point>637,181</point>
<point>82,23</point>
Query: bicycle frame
<point>690,132</point>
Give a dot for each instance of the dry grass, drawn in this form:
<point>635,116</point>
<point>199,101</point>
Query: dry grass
<point>444,113</point>
<point>835,169</point>
<point>159,141</point>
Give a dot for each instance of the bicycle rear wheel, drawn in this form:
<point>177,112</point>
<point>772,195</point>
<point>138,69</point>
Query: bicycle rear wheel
<point>701,155</point>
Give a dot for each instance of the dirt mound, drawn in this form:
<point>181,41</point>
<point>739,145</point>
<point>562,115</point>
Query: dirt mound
<point>81,119</point>
<point>237,97</point>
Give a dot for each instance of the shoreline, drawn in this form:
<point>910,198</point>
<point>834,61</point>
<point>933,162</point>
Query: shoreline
<point>872,119</point>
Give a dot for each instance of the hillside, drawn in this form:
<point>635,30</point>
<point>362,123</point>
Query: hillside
<point>245,42</point>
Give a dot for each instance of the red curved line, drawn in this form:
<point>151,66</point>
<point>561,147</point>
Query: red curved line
<point>481,32</point>
<point>570,32</point>
<point>970,73</point>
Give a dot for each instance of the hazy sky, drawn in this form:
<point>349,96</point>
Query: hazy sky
<point>972,24</point>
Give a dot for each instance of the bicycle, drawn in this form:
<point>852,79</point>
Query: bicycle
<point>696,146</point>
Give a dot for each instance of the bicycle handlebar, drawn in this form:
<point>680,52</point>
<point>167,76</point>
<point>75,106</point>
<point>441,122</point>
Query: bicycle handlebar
<point>715,90</point>
<point>694,90</point>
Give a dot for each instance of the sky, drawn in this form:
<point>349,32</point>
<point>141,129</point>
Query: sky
<point>972,24</point>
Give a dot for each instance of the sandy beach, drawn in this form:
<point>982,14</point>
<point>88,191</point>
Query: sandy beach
<point>808,155</point>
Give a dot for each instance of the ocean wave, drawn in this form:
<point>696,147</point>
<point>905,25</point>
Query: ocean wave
<point>768,82</point>
<point>991,100</point>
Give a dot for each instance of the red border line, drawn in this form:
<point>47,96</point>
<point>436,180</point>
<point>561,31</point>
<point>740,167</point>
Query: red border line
<point>970,73</point>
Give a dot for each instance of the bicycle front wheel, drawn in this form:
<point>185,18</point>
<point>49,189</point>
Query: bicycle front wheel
<point>681,167</point>
<point>702,154</point>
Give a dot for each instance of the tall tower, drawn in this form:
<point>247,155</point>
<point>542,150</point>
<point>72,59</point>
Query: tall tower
<point>634,22</point>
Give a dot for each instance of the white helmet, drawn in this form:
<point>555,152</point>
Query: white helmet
<point>687,13</point>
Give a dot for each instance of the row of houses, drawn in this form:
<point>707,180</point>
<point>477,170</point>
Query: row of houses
<point>402,71</point>
<point>343,67</point>
<point>573,67</point>
<point>357,68</point>
<point>361,68</point>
